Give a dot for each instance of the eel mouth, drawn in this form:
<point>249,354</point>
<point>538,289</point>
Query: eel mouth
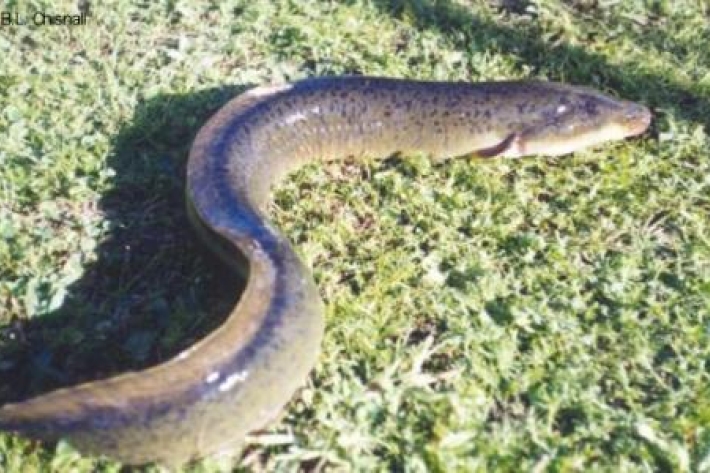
<point>637,119</point>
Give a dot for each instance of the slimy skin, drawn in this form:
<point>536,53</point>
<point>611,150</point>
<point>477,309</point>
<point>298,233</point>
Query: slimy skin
<point>239,377</point>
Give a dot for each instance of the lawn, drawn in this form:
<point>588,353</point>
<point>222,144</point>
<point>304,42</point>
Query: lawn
<point>500,315</point>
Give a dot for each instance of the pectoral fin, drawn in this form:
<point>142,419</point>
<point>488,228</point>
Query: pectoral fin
<point>499,149</point>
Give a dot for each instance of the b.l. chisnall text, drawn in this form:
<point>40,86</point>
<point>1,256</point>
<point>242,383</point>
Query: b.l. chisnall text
<point>39,18</point>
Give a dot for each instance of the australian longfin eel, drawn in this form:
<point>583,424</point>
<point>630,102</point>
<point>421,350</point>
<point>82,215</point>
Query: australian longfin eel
<point>210,396</point>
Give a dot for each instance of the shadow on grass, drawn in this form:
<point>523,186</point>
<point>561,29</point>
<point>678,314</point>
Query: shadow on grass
<point>153,290</point>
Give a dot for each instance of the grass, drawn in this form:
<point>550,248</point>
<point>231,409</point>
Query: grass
<point>537,314</point>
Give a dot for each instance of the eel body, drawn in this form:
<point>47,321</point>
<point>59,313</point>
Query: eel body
<point>239,377</point>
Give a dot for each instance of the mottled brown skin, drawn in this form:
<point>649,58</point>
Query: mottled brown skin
<point>239,377</point>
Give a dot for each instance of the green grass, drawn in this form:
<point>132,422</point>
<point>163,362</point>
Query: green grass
<point>536,314</point>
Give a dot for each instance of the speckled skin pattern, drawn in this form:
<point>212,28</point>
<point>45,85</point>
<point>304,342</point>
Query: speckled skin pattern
<point>239,377</point>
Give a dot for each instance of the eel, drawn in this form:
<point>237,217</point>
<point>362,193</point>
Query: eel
<point>239,377</point>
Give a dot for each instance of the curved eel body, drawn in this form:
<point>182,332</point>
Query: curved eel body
<point>239,377</point>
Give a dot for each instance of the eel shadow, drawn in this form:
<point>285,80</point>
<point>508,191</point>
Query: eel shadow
<point>153,290</point>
